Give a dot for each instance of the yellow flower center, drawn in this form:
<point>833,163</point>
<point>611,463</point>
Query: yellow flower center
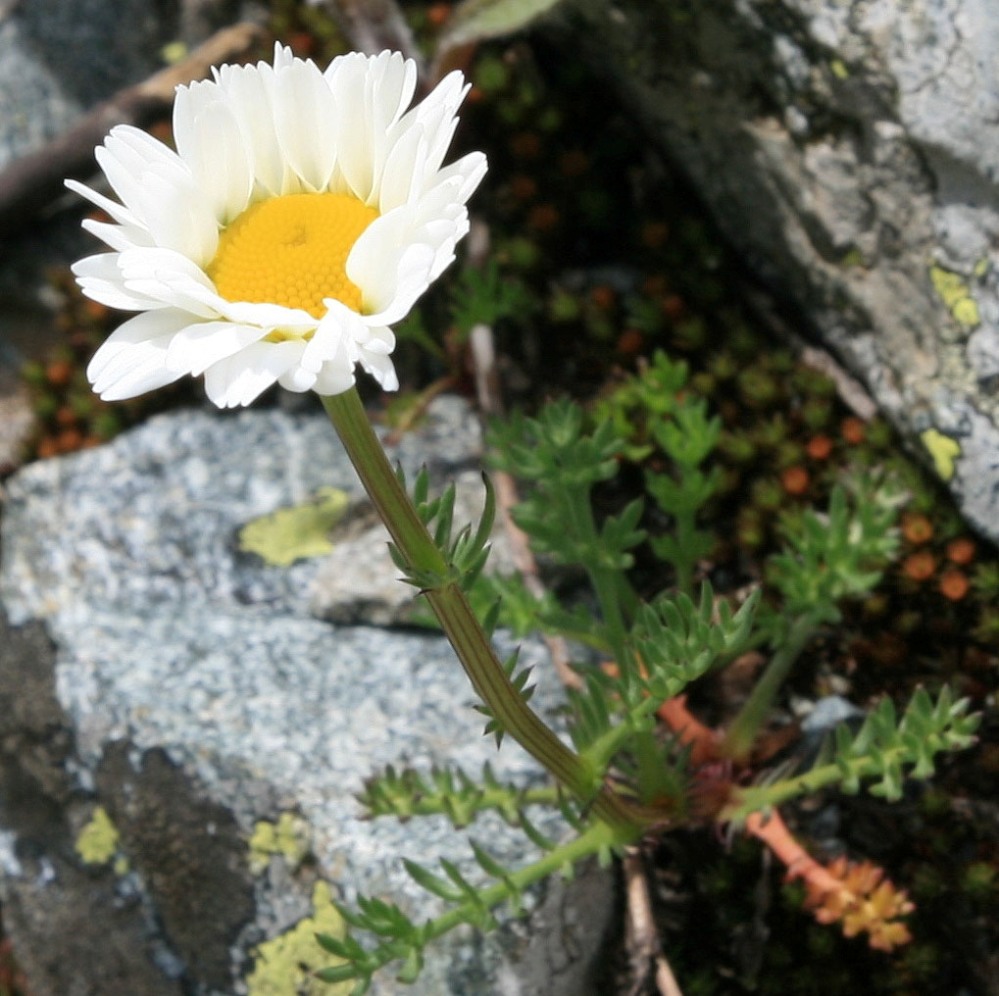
<point>292,250</point>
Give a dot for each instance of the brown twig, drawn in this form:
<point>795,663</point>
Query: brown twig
<point>487,386</point>
<point>371,26</point>
<point>34,181</point>
<point>642,939</point>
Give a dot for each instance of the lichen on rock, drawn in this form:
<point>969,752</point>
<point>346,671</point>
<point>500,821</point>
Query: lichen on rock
<point>284,965</point>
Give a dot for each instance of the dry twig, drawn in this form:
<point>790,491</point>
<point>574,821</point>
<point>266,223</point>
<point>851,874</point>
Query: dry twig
<point>487,386</point>
<point>374,25</point>
<point>641,937</point>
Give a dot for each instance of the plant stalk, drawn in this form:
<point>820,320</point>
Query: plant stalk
<point>483,667</point>
<point>742,733</point>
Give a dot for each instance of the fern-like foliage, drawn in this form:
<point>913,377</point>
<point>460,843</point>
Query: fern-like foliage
<point>451,792</point>
<point>886,745</point>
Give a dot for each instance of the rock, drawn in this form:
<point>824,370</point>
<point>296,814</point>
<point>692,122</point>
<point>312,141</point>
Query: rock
<point>58,58</point>
<point>352,584</point>
<point>849,152</point>
<point>181,740</point>
<point>17,419</point>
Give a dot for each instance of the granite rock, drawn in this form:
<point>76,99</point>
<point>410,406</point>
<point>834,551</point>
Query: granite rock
<point>850,153</point>
<point>196,709</point>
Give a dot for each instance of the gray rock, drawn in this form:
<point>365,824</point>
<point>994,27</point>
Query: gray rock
<point>356,584</point>
<point>58,58</point>
<point>191,694</point>
<point>850,153</point>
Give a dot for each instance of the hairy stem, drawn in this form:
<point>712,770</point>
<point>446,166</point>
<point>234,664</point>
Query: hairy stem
<point>464,631</point>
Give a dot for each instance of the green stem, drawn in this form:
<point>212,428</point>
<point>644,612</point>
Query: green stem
<point>598,837</point>
<point>685,528</point>
<point>483,667</point>
<point>754,798</point>
<point>742,733</point>
<point>607,586</point>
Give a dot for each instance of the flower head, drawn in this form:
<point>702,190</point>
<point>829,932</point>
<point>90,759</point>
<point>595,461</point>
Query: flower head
<point>303,213</point>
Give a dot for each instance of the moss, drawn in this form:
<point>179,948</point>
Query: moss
<point>839,69</point>
<point>289,837</point>
<point>291,534</point>
<point>285,965</point>
<point>852,257</point>
<point>955,294</point>
<point>98,841</point>
<point>943,449</point>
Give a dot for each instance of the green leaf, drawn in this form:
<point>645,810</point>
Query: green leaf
<point>431,882</point>
<point>475,20</point>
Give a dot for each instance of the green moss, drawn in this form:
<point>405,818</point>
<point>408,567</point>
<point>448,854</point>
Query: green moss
<point>289,837</point>
<point>955,294</point>
<point>285,965</point>
<point>97,842</point>
<point>291,534</point>
<point>944,451</point>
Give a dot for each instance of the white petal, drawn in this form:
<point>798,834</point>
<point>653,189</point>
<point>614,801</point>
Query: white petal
<point>305,113</point>
<point>470,169</point>
<point>133,359</point>
<point>100,279</point>
<point>211,142</point>
<point>170,278</point>
<point>125,157</point>
<point>178,215</point>
<point>197,347</point>
<point>249,91</point>
<point>120,214</point>
<point>371,95</point>
<point>402,168</point>
<point>391,269</point>
<point>267,315</point>
<point>297,379</point>
<point>339,326</point>
<point>334,379</point>
<point>116,236</point>
<point>381,368</point>
<point>283,56</point>
<point>240,379</point>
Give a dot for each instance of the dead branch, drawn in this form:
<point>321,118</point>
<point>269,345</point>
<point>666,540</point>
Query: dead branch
<point>641,937</point>
<point>34,181</point>
<point>482,353</point>
<point>371,26</point>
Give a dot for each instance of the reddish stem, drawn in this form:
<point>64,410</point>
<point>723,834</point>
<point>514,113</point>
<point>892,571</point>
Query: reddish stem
<point>690,731</point>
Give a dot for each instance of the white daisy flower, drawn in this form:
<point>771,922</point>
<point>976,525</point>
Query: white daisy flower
<point>303,214</point>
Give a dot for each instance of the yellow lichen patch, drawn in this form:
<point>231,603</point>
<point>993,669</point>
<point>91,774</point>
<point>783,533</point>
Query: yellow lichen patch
<point>944,451</point>
<point>285,965</point>
<point>294,533</point>
<point>97,843</point>
<point>839,69</point>
<point>955,294</point>
<point>289,837</point>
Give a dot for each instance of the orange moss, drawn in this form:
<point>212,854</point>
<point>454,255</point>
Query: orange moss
<point>919,566</point>
<point>795,481</point>
<point>853,430</point>
<point>954,584</point>
<point>917,528</point>
<point>819,447</point>
<point>961,551</point>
